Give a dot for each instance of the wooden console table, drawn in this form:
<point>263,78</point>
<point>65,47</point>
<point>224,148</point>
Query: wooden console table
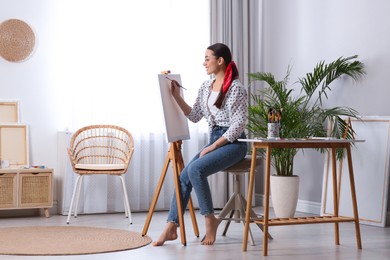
<point>26,189</point>
<point>268,145</point>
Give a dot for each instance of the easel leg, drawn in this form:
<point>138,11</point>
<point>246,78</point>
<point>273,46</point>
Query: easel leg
<point>174,155</point>
<point>155,197</point>
<point>176,172</point>
<point>180,165</point>
<point>193,218</point>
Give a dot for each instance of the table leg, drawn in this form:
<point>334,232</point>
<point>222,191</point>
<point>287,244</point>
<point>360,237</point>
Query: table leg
<point>266,207</point>
<point>354,202</point>
<point>249,199</point>
<point>335,196</point>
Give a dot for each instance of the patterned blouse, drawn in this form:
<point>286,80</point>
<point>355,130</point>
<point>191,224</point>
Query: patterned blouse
<point>233,113</point>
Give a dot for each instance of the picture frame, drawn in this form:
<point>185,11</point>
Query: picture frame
<point>371,173</point>
<point>14,144</point>
<point>9,112</point>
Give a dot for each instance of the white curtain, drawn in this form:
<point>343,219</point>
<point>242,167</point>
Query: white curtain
<point>238,25</point>
<point>108,54</point>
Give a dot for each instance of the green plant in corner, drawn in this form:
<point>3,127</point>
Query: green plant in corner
<point>303,116</point>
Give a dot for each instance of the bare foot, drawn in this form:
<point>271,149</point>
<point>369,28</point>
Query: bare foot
<point>169,233</point>
<point>212,224</point>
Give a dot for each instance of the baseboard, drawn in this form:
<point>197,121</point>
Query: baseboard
<point>302,205</point>
<point>309,207</point>
<point>388,218</point>
<point>54,210</point>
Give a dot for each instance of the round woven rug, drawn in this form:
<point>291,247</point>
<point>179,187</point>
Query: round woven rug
<point>66,240</point>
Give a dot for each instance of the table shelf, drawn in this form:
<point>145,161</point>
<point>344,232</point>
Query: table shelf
<point>304,220</point>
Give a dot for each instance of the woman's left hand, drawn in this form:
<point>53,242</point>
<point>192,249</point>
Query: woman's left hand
<point>207,150</point>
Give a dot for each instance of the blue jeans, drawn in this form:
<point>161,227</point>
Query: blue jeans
<point>195,174</point>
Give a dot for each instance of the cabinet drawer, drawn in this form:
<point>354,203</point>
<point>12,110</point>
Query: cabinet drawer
<point>35,190</point>
<point>8,190</point>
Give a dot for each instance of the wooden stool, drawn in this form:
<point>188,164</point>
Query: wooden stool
<point>235,208</point>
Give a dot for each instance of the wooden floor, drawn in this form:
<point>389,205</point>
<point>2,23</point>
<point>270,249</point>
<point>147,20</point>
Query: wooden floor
<point>302,242</point>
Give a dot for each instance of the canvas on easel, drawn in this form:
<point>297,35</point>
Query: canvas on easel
<point>176,123</point>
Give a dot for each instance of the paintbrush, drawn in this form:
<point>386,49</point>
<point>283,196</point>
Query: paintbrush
<point>176,83</point>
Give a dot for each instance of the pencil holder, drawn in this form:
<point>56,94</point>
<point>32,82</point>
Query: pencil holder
<point>273,130</point>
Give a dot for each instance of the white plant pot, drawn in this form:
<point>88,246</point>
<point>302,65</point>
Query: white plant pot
<point>284,195</point>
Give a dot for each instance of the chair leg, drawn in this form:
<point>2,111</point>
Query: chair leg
<point>126,200</point>
<point>250,234</point>
<point>241,212</point>
<point>236,206</point>
<point>125,206</point>
<point>126,209</point>
<point>228,223</point>
<point>229,206</point>
<point>252,214</point>
<point>78,195</point>
<point>75,189</point>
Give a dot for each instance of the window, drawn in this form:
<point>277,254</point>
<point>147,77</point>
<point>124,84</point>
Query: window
<point>108,54</point>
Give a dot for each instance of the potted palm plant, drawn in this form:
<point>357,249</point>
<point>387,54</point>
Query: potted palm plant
<point>303,115</point>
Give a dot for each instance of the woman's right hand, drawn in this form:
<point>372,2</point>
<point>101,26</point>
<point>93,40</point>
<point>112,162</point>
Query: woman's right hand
<point>175,89</point>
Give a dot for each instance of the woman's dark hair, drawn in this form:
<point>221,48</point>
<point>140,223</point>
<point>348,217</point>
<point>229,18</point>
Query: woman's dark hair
<point>221,50</point>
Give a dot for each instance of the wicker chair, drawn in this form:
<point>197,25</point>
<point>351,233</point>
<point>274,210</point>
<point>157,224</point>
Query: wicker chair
<point>100,149</point>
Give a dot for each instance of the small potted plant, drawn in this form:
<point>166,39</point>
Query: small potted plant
<point>303,115</point>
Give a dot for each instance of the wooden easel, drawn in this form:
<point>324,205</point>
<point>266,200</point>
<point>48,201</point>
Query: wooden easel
<point>174,155</point>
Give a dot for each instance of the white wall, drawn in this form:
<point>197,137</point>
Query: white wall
<point>303,32</point>
<point>29,81</point>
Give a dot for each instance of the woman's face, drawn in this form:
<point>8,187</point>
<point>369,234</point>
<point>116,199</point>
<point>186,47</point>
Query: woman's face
<point>211,63</point>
